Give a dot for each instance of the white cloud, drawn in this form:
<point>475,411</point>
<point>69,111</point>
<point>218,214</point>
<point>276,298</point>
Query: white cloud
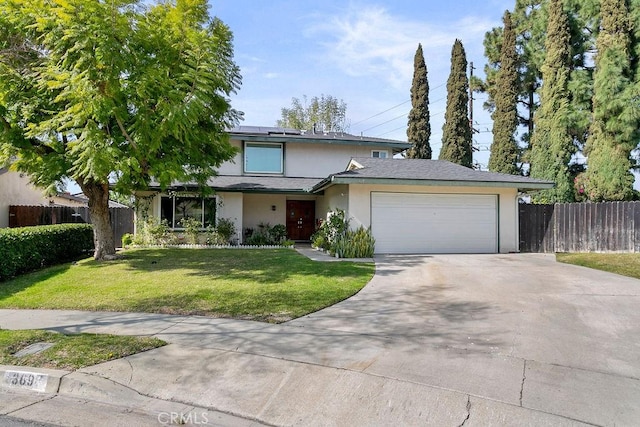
<point>271,76</point>
<point>368,40</point>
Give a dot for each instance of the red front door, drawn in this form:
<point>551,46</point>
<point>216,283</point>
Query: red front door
<point>301,216</point>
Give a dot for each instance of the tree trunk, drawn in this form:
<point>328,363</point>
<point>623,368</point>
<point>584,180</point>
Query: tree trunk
<point>98,194</point>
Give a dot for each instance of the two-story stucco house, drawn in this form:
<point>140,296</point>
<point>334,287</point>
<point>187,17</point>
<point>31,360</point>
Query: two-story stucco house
<point>294,178</point>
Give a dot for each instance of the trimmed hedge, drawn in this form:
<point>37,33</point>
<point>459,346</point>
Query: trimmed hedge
<point>30,248</point>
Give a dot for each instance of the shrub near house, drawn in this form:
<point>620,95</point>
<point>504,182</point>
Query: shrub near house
<point>153,232</point>
<point>335,236</point>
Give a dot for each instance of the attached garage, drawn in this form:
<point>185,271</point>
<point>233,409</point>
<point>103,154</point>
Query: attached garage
<point>405,223</point>
<point>421,206</point>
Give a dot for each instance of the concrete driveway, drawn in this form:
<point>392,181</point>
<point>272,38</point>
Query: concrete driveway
<point>520,329</point>
<point>431,340</point>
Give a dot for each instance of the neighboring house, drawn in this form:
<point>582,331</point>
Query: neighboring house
<point>16,190</point>
<point>295,178</point>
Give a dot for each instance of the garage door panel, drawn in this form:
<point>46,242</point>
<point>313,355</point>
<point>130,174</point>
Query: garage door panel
<point>434,223</point>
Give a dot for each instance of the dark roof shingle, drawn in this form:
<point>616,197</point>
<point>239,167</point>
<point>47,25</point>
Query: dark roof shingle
<point>428,171</point>
<point>276,134</point>
<point>267,184</point>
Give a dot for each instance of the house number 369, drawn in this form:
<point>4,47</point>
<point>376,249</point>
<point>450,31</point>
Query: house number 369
<point>23,379</point>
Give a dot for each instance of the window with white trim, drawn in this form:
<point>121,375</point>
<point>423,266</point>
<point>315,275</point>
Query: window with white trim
<point>174,208</point>
<point>263,157</point>
<point>379,154</point>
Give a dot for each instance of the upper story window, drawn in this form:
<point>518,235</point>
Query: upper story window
<point>263,158</point>
<point>379,154</point>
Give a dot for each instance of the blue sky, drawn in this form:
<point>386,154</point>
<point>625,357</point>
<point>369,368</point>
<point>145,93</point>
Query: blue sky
<point>359,51</point>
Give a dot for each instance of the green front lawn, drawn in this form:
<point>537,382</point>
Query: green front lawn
<point>268,285</point>
<point>624,264</point>
<point>70,351</point>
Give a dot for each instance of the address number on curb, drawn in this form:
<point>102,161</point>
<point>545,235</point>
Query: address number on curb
<point>25,380</point>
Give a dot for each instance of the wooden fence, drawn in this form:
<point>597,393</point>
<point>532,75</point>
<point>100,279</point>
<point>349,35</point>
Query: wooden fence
<point>580,227</point>
<point>26,216</point>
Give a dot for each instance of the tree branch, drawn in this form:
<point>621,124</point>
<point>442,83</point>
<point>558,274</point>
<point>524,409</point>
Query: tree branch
<point>5,123</point>
<point>125,133</point>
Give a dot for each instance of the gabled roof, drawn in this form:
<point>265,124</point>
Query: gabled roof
<point>276,134</point>
<point>425,172</point>
<point>82,198</point>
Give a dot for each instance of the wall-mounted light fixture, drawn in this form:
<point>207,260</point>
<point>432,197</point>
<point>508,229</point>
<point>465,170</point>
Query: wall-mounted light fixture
<point>273,207</point>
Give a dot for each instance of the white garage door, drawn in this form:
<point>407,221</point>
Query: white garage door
<point>434,223</point>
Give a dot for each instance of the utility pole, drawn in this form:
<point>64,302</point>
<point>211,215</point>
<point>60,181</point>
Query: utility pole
<point>473,130</point>
<point>471,68</point>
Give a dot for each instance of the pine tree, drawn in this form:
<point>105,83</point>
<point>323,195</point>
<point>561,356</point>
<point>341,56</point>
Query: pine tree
<point>613,130</point>
<point>527,23</point>
<point>419,128</point>
<point>529,20</point>
<point>552,143</point>
<point>504,150</point>
<point>456,131</point>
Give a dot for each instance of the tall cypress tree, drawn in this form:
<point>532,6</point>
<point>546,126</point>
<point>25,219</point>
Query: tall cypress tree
<point>504,150</point>
<point>552,143</point>
<point>419,129</point>
<point>613,130</point>
<point>456,131</point>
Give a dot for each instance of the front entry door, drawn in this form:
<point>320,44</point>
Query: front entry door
<point>301,215</point>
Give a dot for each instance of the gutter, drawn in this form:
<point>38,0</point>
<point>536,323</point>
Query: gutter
<point>334,180</point>
<point>329,141</point>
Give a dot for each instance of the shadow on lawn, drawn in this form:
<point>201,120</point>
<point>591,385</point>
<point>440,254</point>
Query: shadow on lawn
<point>271,266</point>
<point>24,281</point>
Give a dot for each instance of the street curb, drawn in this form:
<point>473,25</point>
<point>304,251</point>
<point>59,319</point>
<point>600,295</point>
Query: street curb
<point>27,378</point>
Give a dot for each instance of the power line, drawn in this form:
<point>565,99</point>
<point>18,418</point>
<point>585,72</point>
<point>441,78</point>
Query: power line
<point>398,117</point>
<point>376,115</point>
<point>391,131</point>
<point>399,105</point>
<point>384,123</point>
<point>437,87</point>
<point>438,100</point>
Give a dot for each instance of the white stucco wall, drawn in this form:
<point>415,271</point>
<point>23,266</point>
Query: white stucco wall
<point>233,167</point>
<point>305,160</point>
<point>257,208</point>
<point>320,160</point>
<point>15,189</point>
<point>335,197</point>
<point>360,207</point>
<point>230,206</point>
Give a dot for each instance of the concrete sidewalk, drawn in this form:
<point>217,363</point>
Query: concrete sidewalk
<point>230,372</point>
<point>423,344</point>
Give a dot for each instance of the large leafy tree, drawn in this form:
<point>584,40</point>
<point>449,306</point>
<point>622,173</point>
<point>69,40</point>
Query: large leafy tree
<point>325,113</point>
<point>504,149</point>
<point>116,91</point>
<point>419,128</point>
<point>456,131</point>
<point>552,143</point>
<point>614,128</point>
